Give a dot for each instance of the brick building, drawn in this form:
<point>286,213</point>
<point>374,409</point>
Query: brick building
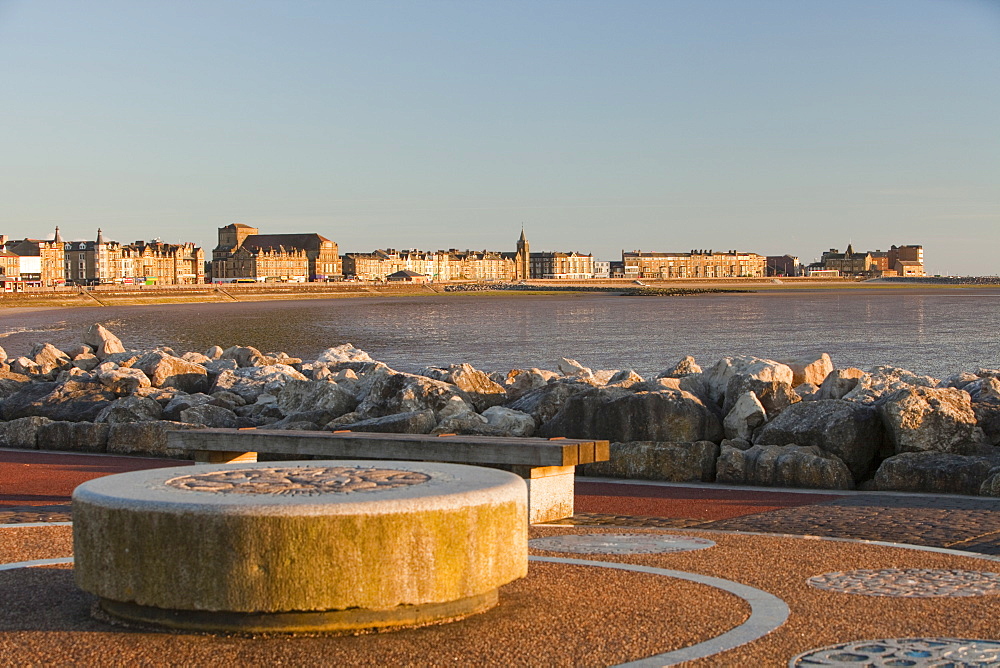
<point>243,253</point>
<point>694,264</point>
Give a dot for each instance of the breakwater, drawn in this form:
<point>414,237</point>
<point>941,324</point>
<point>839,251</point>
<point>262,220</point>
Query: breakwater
<point>623,290</point>
<point>742,419</point>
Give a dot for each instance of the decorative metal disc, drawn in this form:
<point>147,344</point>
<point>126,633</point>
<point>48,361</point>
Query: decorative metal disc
<point>620,543</point>
<point>909,582</point>
<point>919,652</point>
<point>299,480</point>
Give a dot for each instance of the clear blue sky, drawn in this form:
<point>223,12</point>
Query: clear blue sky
<point>770,126</point>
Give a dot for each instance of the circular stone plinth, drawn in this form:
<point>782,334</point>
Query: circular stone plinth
<point>300,546</point>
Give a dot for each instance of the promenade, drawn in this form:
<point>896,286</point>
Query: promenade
<point>651,573</point>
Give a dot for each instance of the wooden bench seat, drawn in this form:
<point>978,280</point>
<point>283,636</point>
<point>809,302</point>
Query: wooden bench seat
<point>547,465</point>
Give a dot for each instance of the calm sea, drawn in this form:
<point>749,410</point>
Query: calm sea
<point>937,331</point>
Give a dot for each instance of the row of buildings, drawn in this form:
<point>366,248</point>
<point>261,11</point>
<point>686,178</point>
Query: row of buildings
<point>243,254</point>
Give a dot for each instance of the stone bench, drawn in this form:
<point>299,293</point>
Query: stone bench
<point>546,465</point>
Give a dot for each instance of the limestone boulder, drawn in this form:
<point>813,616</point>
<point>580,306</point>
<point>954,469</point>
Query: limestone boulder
<point>102,341</point>
<point>86,362</point>
<point>959,380</point>
<point>415,422</point>
<point>519,382</point>
<point>165,370</point>
<point>3,354</point>
<point>49,358</point>
<point>305,395</point>
<point>73,436</point>
<point>405,393</point>
<point>196,358</point>
<point>925,419</point>
<point>839,382</point>
<point>934,472</point>
<point>210,416</point>
<point>251,382</point>
<point>481,390</point>
<point>625,378</point>
<point>685,367</point>
<point>145,438</point>
<point>22,432</point>
<point>510,422</point>
<point>123,380</point>
<point>811,369</point>
<point>11,383</point>
<point>851,431</point>
<point>652,460</point>
<point>570,367</point>
<point>73,400</point>
<point>214,353</point>
<point>783,466</point>
<point>984,389</point>
<point>744,368</point>
<point>246,356</point>
<point>618,414</point>
<point>345,352</point>
<point>745,417</point>
<point>130,409</point>
<point>26,366</point>
<point>471,424</point>
<point>875,385</point>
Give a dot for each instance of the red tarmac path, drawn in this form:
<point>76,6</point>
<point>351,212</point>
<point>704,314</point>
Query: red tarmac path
<point>33,478</point>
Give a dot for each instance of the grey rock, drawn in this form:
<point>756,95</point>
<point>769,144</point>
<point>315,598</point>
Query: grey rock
<point>214,353</point>
<point>73,436</point>
<point>882,381</point>
<point>26,366</point>
<point>22,432</point>
<point>651,460</point>
<point>920,419</point>
<point>165,370</point>
<point>209,415</point>
<point>415,422</point>
<point>181,402</point>
<point>510,422</point>
<point>685,367</point>
<point>543,404</point>
<point>124,380</point>
<point>404,393</point>
<point>813,369</point>
<point>988,419</point>
<point>130,409</point>
<point>146,438</point>
<point>86,362</point>
<point>617,414</point>
<point>745,417</point>
<point>750,373</point>
<point>246,356</point>
<point>991,486</point>
<point>839,382</point>
<point>302,395</point>
<point>482,391</point>
<point>102,341</point>
<point>783,466</point>
<point>625,378</point>
<point>345,352</point>
<point>251,382</point>
<point>934,472</point>
<point>519,382</point>
<point>73,400</point>
<point>49,358</point>
<point>851,431</point>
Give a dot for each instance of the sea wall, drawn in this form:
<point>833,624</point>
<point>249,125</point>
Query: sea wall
<point>742,420</point>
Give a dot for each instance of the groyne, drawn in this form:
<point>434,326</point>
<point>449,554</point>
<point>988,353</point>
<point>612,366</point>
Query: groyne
<point>744,420</point>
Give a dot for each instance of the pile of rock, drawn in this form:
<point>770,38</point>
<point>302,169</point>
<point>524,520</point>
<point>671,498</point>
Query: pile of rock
<point>744,420</point>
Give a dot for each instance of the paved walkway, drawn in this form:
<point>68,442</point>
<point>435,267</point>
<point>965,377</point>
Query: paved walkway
<point>657,574</point>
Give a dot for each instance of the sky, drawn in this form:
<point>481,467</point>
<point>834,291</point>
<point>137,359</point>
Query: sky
<point>767,126</point>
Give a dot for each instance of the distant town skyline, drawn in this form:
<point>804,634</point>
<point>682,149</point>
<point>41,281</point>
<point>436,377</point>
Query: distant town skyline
<point>771,126</point>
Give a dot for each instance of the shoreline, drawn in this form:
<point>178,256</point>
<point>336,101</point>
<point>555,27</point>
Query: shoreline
<point>114,296</point>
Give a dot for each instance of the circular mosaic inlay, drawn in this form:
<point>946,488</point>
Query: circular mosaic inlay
<point>619,543</point>
<point>920,652</point>
<point>909,582</point>
<point>298,481</point>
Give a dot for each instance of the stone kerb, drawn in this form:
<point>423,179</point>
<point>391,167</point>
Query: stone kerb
<point>300,546</point>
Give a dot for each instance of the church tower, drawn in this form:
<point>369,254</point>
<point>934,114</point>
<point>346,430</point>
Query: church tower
<point>522,260</point>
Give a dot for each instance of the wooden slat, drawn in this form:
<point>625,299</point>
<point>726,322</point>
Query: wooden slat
<point>418,447</point>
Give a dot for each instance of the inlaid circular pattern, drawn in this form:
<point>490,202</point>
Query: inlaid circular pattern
<point>298,480</point>
<point>909,582</point>
<point>920,652</point>
<point>619,543</point>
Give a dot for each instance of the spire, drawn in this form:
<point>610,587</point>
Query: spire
<point>100,236</point>
<point>523,238</point>
<point>850,250</point>
<point>58,238</point>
